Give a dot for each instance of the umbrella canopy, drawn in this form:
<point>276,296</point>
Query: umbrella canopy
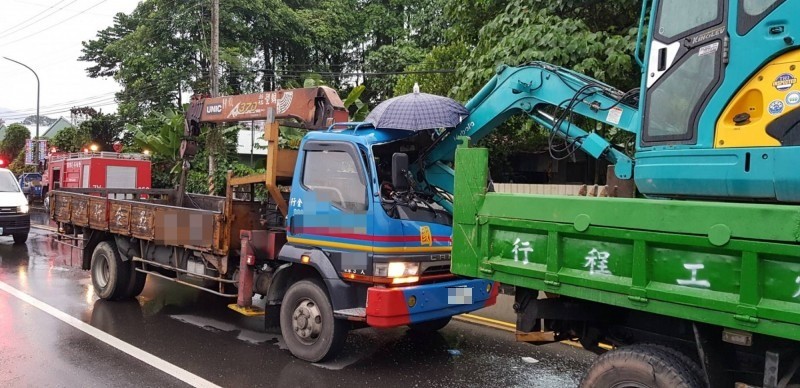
<point>417,111</point>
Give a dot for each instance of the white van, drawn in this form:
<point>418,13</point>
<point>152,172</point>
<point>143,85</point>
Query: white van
<point>14,217</point>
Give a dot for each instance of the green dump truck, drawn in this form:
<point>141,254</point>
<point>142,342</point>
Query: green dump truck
<point>713,286</point>
<point>695,280</point>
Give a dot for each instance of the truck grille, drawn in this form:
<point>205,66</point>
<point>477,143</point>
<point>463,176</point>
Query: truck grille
<point>435,268</point>
<point>15,223</point>
<point>8,209</point>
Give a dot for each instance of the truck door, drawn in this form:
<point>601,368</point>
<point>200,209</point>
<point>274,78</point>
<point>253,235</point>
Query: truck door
<point>329,207</point>
<point>684,67</point>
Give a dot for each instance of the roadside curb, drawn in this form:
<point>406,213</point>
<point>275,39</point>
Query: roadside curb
<point>45,227</point>
<point>488,322</point>
<point>510,327</point>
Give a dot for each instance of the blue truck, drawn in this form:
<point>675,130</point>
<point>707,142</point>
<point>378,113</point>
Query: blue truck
<point>31,184</point>
<point>339,242</point>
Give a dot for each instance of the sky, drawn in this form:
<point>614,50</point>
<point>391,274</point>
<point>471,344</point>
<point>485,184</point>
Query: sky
<point>46,35</point>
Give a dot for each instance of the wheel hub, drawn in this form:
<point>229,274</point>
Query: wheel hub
<point>102,271</point>
<point>307,321</point>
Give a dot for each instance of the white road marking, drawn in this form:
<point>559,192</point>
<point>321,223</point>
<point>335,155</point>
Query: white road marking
<point>141,355</point>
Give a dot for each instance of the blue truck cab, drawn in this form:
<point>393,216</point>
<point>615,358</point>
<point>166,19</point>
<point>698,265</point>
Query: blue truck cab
<point>380,252</point>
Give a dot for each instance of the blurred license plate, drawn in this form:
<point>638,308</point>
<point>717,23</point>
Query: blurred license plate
<point>459,295</point>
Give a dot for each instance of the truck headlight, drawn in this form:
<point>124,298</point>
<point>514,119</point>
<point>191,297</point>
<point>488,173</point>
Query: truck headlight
<point>395,269</point>
<point>23,209</point>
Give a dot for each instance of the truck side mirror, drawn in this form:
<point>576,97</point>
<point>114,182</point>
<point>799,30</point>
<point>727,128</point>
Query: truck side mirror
<point>399,171</point>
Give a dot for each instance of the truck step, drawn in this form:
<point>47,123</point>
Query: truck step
<point>246,311</point>
<point>354,314</point>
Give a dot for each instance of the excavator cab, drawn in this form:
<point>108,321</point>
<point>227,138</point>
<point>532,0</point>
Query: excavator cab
<point>719,99</point>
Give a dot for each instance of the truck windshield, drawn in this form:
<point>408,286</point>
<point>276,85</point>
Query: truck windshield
<point>8,183</point>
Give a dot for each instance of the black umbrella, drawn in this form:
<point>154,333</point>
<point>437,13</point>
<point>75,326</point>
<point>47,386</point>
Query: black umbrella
<point>417,111</point>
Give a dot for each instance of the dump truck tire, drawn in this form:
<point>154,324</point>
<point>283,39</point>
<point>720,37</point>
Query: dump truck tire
<point>307,323</point>
<point>693,365</point>
<point>640,366</point>
<point>110,275</point>
<point>429,326</point>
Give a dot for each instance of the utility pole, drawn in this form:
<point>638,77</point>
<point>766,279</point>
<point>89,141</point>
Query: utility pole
<point>214,75</point>
<point>215,48</point>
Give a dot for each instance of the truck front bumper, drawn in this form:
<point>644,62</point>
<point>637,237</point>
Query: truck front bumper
<point>17,223</point>
<point>391,307</point>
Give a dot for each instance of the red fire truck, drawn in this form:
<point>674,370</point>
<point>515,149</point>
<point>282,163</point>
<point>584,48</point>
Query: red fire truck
<point>97,170</point>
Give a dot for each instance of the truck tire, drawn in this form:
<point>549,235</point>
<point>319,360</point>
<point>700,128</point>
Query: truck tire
<point>640,366</point>
<point>110,275</point>
<point>20,238</point>
<point>690,363</point>
<point>429,326</point>
<point>309,329</point>
<point>136,282</point>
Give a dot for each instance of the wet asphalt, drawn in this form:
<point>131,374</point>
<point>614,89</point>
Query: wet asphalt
<point>197,332</point>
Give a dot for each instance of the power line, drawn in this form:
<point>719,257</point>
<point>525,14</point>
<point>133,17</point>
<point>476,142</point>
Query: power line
<point>69,104</point>
<point>69,10</point>
<point>54,25</point>
<point>32,21</point>
<point>9,118</point>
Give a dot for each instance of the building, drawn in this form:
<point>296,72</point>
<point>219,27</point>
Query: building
<point>55,128</point>
<point>251,148</point>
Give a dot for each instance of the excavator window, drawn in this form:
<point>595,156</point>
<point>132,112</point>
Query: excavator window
<point>678,17</point>
<point>752,12</point>
<point>757,7</point>
<point>677,97</point>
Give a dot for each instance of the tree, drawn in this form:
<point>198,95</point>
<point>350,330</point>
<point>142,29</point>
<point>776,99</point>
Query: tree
<point>103,129</point>
<point>161,136</point>
<point>14,141</point>
<point>71,139</point>
<point>44,121</point>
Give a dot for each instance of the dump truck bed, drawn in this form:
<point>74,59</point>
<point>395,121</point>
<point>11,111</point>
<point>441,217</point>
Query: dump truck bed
<point>730,264</point>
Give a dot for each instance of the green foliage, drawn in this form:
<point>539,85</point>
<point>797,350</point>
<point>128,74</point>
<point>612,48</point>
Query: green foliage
<point>290,138</point>
<point>161,50</point>
<point>103,129</point>
<point>442,57</point>
<point>557,33</point>
<point>161,136</point>
<point>594,38</point>
<point>14,141</point>
<point>18,166</point>
<point>388,59</point>
<point>71,139</point>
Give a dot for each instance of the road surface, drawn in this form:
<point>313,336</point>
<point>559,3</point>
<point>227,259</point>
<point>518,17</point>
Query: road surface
<point>55,332</point>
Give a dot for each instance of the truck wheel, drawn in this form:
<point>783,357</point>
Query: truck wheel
<point>110,275</point>
<point>136,282</point>
<point>640,366</point>
<point>307,323</point>
<point>429,326</point>
<point>20,238</point>
<point>690,363</point>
